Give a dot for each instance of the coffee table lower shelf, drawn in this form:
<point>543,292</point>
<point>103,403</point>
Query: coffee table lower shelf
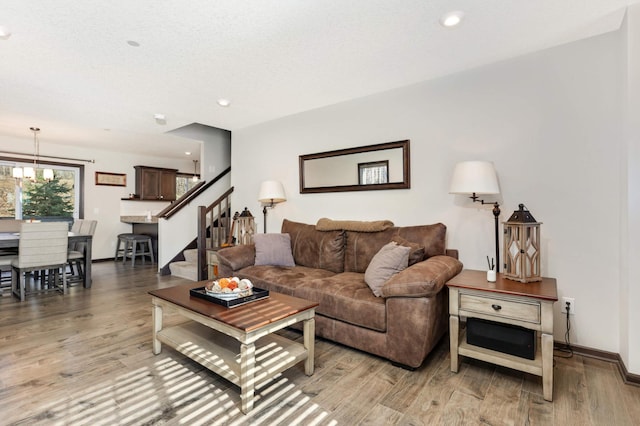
<point>222,354</point>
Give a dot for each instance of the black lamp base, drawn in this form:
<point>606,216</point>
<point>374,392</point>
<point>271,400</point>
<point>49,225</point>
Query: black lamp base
<point>496,215</point>
<point>264,214</point>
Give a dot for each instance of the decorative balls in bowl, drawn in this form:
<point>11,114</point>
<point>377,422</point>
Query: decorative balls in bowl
<point>229,288</point>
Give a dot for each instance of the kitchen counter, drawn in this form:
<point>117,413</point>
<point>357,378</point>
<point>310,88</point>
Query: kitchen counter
<point>138,219</point>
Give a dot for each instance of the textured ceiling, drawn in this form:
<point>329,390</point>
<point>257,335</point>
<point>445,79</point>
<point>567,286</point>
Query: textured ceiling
<point>68,69</point>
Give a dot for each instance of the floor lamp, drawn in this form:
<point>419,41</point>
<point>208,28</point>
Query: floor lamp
<point>271,193</point>
<point>478,178</point>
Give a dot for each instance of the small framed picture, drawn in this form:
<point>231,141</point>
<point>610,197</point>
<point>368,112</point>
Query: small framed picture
<point>373,173</point>
<point>111,179</point>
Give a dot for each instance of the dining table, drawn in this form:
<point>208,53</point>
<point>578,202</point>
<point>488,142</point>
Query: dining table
<point>12,240</point>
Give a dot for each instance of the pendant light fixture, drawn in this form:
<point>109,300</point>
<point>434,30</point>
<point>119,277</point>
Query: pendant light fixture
<point>30,172</point>
<point>195,174</point>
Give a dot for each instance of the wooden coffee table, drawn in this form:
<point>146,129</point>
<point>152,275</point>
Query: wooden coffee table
<point>227,340</point>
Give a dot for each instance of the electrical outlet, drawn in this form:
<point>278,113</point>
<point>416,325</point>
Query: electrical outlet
<point>572,305</point>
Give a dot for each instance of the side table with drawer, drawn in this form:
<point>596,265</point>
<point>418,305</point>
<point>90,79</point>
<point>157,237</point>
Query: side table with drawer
<point>528,305</point>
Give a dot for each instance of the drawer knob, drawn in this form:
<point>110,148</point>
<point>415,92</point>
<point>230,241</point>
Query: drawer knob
<point>496,307</point>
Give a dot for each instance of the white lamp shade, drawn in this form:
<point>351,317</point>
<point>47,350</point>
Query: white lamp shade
<point>477,177</point>
<point>47,174</point>
<point>29,172</point>
<point>271,191</point>
<point>17,172</point>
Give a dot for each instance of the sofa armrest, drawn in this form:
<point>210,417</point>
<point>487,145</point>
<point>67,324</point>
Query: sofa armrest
<point>423,279</point>
<point>235,258</point>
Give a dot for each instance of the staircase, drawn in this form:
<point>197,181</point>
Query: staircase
<point>187,268</point>
<point>214,231</point>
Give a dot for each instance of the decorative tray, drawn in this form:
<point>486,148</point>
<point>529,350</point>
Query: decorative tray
<point>258,294</point>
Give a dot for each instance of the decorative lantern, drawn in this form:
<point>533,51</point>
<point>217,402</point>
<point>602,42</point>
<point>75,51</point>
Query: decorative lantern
<point>245,227</point>
<point>522,247</point>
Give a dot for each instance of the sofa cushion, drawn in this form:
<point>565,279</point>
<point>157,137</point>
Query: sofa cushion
<point>236,257</point>
<point>346,297</point>
<point>391,259</point>
<point>325,224</point>
<point>416,253</point>
<point>431,237</point>
<point>282,280</point>
<point>362,246</point>
<point>273,249</point>
<point>315,249</point>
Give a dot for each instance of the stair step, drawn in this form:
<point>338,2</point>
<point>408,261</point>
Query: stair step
<point>184,269</point>
<point>191,255</point>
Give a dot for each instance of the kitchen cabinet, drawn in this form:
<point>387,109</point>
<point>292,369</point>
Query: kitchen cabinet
<point>154,183</point>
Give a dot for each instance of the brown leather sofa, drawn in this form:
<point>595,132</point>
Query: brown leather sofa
<point>403,325</point>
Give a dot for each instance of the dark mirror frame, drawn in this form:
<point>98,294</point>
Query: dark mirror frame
<point>406,169</point>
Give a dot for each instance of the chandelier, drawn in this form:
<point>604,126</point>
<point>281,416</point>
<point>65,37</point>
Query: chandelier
<point>30,172</point>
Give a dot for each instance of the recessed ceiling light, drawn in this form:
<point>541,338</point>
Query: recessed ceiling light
<point>133,43</point>
<point>224,102</point>
<point>4,33</point>
<point>187,153</point>
<point>451,19</point>
<point>160,118</point>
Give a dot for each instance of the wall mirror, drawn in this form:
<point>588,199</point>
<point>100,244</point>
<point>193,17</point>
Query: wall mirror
<point>364,168</point>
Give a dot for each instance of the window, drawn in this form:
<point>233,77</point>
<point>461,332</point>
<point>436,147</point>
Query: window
<point>373,173</point>
<point>184,183</point>
<point>24,198</point>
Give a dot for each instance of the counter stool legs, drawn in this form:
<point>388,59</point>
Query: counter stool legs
<point>130,250</point>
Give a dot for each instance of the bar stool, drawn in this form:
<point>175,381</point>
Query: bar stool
<point>131,243</point>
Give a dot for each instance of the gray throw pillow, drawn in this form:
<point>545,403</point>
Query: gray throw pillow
<point>391,259</point>
<point>273,249</point>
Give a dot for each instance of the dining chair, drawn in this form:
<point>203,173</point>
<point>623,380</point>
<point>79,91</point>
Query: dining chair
<point>5,271</point>
<point>76,226</point>
<point>77,251</point>
<point>41,247</point>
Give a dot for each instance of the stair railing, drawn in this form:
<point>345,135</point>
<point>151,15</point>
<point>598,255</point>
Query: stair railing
<point>190,195</point>
<point>216,222</point>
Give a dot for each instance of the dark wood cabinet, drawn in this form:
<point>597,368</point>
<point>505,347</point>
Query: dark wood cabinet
<point>153,183</point>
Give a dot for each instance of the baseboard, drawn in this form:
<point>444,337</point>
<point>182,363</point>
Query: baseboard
<point>628,378</point>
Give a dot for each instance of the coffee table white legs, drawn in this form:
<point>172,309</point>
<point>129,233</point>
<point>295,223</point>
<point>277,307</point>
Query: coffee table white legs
<point>247,375</point>
<point>248,363</point>
<point>309,331</point>
<point>156,315</point>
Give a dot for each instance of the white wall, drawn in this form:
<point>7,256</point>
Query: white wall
<point>215,152</point>
<point>550,121</point>
<point>630,207</point>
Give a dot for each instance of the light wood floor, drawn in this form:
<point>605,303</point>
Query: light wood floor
<point>85,359</point>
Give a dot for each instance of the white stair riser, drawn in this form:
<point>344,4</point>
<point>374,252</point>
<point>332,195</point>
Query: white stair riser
<point>187,270</point>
